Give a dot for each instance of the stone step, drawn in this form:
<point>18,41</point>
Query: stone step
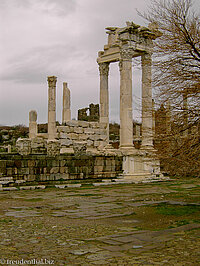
<point>5,182</point>
<point>6,178</point>
<point>20,181</point>
<point>106,180</point>
<point>68,185</point>
<point>8,188</point>
<point>73,185</point>
<point>32,187</point>
<point>102,184</point>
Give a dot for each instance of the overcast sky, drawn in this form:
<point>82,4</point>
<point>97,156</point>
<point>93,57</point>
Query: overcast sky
<point>40,38</point>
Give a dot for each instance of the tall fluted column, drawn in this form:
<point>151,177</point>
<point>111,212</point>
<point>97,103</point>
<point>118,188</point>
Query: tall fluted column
<point>52,107</point>
<point>185,111</point>
<point>66,115</point>
<point>147,132</point>
<point>104,96</point>
<point>153,119</point>
<point>168,118</point>
<point>126,114</point>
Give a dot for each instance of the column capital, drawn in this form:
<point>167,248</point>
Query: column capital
<point>126,54</point>
<point>146,58</point>
<point>52,81</point>
<point>104,68</point>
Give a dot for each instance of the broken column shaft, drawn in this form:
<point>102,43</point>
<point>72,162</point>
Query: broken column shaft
<point>32,124</point>
<point>66,114</point>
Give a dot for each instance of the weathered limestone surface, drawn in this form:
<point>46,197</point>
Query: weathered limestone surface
<point>93,133</point>
<point>38,145</point>
<point>126,116</point>
<point>61,167</point>
<point>66,116</point>
<point>104,96</point>
<point>124,44</point>
<point>147,123</point>
<point>32,124</point>
<point>53,147</point>
<point>52,107</point>
<point>141,165</point>
<point>79,147</point>
<point>23,146</point>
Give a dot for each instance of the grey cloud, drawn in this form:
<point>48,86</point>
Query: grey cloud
<point>15,3</point>
<point>60,7</point>
<point>34,65</point>
<point>53,7</point>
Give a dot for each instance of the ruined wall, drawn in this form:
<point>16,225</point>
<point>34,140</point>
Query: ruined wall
<point>62,167</point>
<point>93,133</point>
<point>93,115</point>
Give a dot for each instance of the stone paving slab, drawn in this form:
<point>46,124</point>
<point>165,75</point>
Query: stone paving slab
<point>99,226</point>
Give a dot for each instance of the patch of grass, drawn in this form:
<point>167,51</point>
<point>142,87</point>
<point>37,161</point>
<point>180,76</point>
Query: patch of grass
<point>182,222</point>
<point>6,221</point>
<point>34,199</point>
<point>87,186</point>
<point>127,215</point>
<point>196,221</point>
<point>89,195</point>
<point>176,210</point>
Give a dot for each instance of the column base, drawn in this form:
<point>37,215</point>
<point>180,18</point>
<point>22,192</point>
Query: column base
<point>127,149</point>
<point>148,148</point>
<point>141,166</point>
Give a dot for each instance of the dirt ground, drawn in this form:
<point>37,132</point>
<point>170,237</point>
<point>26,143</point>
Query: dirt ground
<point>119,224</point>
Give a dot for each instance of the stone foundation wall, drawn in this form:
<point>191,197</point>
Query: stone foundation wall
<point>61,167</point>
<point>93,133</point>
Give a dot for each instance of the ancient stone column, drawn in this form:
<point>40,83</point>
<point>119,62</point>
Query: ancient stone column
<point>185,111</point>
<point>104,96</point>
<point>32,124</point>
<point>52,107</point>
<point>126,114</point>
<point>168,118</point>
<point>153,118</point>
<point>147,132</point>
<point>66,115</point>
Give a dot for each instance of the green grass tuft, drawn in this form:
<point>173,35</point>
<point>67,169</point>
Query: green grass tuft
<point>176,210</point>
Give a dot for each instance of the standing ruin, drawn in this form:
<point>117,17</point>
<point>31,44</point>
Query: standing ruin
<point>93,137</point>
<point>123,45</point>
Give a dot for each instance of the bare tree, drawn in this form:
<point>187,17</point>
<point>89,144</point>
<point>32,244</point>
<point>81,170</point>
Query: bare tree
<point>176,77</point>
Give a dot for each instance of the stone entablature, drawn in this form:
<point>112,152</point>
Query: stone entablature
<point>128,42</point>
<point>123,45</point>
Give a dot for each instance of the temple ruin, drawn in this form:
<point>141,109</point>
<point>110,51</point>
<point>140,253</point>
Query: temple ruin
<point>75,136</point>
